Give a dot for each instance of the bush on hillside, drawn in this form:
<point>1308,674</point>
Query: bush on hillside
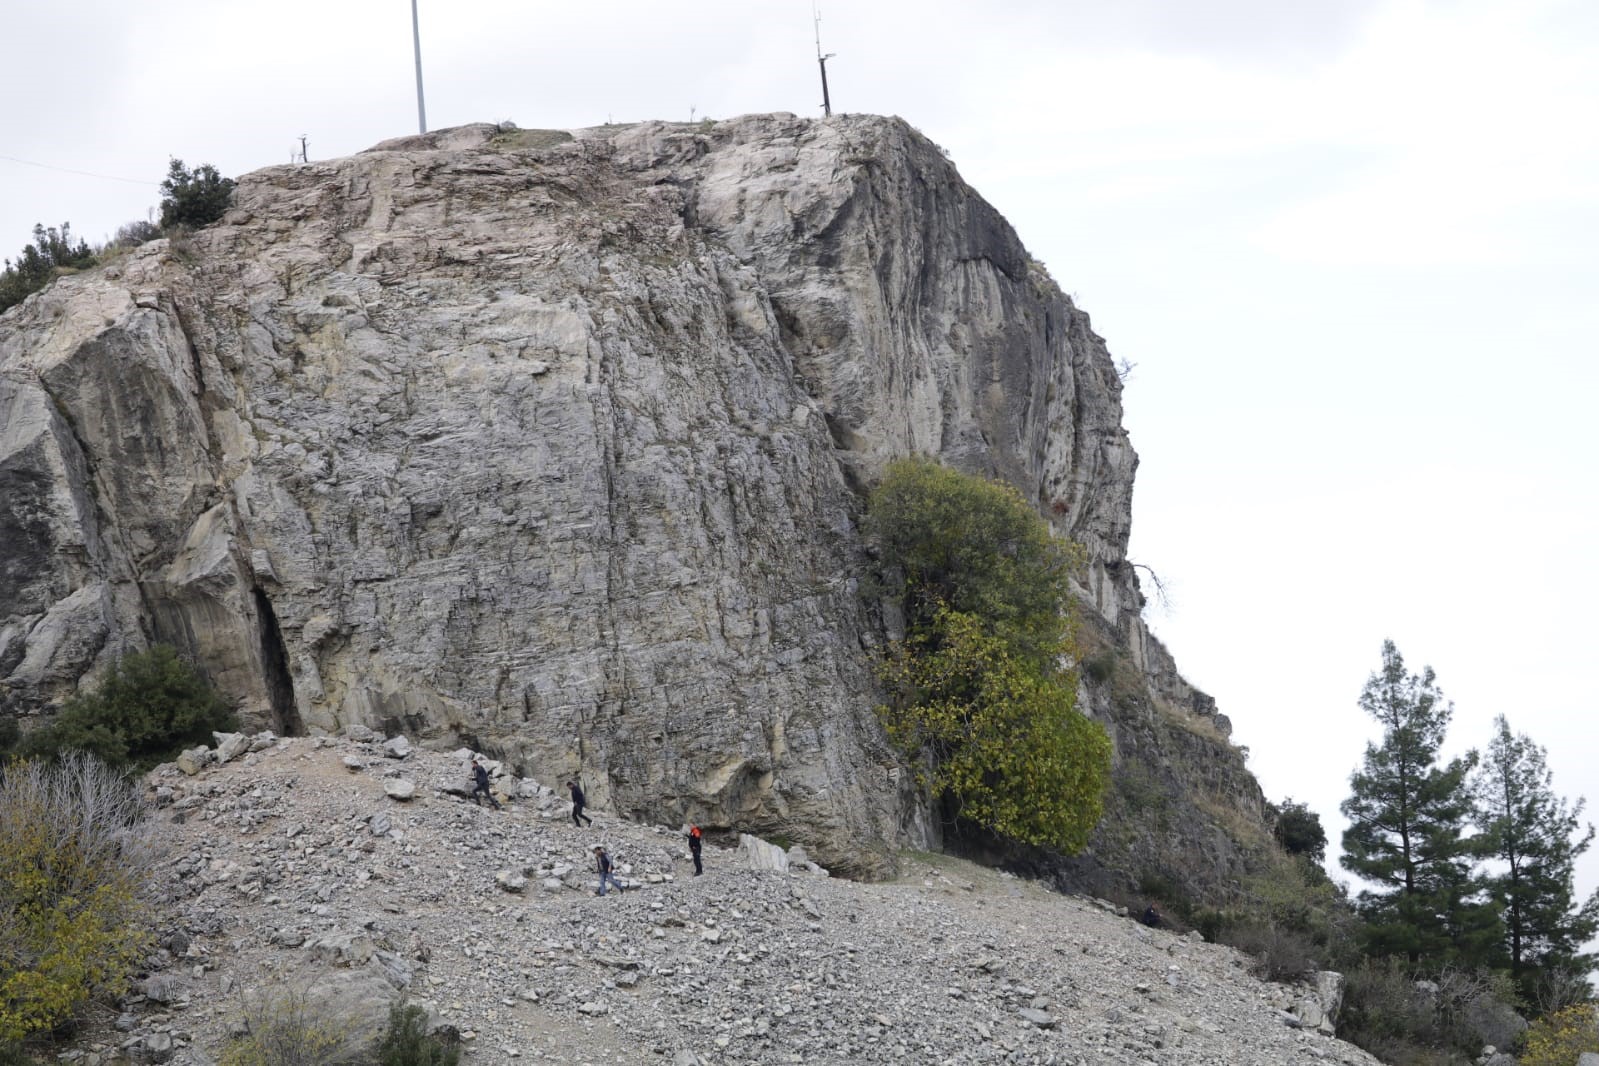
<point>150,705</point>
<point>1299,831</point>
<point>1559,1039</point>
<point>288,1028</point>
<point>52,251</point>
<point>72,889</point>
<point>133,234</point>
<point>408,1043</point>
<point>195,197</point>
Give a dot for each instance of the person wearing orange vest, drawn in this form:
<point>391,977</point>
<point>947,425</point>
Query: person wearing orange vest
<point>694,848</point>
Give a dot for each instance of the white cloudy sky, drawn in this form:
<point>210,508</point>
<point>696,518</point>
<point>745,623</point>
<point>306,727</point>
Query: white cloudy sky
<point>1350,246</point>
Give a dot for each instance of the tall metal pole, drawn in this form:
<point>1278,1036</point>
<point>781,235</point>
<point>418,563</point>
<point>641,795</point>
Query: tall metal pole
<point>821,61</point>
<point>416,40</point>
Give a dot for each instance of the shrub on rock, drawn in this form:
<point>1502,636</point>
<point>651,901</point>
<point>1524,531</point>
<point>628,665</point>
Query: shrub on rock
<point>151,704</point>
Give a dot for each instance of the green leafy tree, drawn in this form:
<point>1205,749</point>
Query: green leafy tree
<point>195,197</point>
<point>1002,742</point>
<point>976,692</point>
<point>150,704</point>
<point>1537,837</point>
<point>52,250</point>
<point>1299,831</point>
<point>1405,816</point>
<point>947,539</point>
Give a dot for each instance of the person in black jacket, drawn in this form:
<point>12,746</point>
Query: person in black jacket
<point>694,848</point>
<point>480,777</point>
<point>577,806</point>
<point>602,863</point>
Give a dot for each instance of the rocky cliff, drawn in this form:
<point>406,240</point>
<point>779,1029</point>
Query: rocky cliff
<point>553,444</point>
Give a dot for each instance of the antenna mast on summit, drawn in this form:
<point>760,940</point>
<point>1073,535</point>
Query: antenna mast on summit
<point>416,41</point>
<point>821,60</point>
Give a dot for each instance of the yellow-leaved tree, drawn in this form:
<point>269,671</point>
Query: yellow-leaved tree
<point>75,859</point>
<point>977,694</point>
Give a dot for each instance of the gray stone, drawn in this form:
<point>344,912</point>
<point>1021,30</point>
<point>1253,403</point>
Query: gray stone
<point>397,747</point>
<point>167,988</point>
<point>511,881</point>
<point>1588,1058</point>
<point>757,854</point>
<point>230,746</point>
<point>1033,1016</point>
<point>1493,1022</point>
<point>194,760</point>
<point>398,788</point>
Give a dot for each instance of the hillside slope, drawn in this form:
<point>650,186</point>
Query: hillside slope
<point>289,869</point>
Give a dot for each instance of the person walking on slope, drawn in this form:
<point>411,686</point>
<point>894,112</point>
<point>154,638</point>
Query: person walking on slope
<point>577,806</point>
<point>480,777</point>
<point>694,848</point>
<point>602,862</point>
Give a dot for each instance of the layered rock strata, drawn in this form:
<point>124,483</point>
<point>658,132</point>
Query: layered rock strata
<point>553,444</point>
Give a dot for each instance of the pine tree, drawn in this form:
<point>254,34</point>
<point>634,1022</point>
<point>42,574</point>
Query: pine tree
<point>1537,836</point>
<point>1406,815</point>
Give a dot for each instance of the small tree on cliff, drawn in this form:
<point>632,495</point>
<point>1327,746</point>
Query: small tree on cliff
<point>1405,816</point>
<point>195,197</point>
<point>976,692</point>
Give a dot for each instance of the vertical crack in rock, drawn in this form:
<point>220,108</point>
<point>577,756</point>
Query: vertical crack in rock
<point>275,668</point>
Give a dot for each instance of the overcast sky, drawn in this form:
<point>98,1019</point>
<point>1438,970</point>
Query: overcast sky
<point>1350,247</point>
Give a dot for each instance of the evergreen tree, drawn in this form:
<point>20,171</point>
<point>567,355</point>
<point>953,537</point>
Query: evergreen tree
<point>52,250</point>
<point>195,197</point>
<point>1537,836</point>
<point>1406,815</point>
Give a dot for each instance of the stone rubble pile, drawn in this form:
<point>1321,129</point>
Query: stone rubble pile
<point>292,868</point>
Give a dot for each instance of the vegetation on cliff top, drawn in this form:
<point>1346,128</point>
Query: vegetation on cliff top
<point>976,693</point>
<point>189,199</point>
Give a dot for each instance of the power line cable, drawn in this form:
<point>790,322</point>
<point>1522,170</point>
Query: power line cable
<point>83,173</point>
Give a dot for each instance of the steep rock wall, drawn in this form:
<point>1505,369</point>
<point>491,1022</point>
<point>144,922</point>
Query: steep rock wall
<point>553,443</point>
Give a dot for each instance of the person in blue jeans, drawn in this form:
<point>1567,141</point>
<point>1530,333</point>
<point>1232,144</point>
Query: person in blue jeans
<point>602,862</point>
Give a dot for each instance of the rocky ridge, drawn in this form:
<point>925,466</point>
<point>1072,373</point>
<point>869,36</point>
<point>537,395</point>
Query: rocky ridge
<point>553,443</point>
<point>290,868</point>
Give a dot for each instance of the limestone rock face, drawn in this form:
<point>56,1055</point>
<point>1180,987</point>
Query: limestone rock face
<point>551,445</point>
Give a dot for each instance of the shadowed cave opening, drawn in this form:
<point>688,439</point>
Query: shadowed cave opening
<point>275,665</point>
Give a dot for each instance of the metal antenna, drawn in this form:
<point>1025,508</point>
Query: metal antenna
<point>821,60</point>
<point>416,40</point>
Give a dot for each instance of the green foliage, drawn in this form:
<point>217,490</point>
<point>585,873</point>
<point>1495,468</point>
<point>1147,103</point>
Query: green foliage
<point>1006,744</point>
<point>1537,837</point>
<point>975,690</point>
<point>1559,1039</point>
<point>947,539</point>
<point>407,1043</point>
<point>72,904</point>
<point>52,250</point>
<point>1299,831</point>
<point>1405,812</point>
<point>150,704</point>
<point>195,197</point>
<point>287,1028</point>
